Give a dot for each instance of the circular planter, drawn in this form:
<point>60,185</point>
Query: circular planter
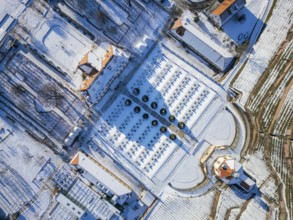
<point>173,137</point>
<point>181,125</point>
<point>145,98</point>
<point>163,111</point>
<point>136,109</point>
<point>154,105</point>
<point>172,118</point>
<point>154,122</point>
<point>135,91</point>
<point>163,129</point>
<point>128,102</point>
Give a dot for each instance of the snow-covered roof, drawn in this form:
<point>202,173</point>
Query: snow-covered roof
<point>231,172</point>
<point>101,174</point>
<point>97,59</point>
<point>202,44</point>
<point>71,206</point>
<point>224,167</point>
<point>5,25</point>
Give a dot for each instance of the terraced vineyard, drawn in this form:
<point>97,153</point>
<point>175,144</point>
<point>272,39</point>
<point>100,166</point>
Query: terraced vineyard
<point>271,106</point>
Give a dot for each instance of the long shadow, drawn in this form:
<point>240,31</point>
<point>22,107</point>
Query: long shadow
<point>240,27</point>
<point>253,194</point>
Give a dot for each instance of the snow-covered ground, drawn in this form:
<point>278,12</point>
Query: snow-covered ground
<point>37,209</point>
<point>268,43</point>
<point>273,75</point>
<point>256,166</point>
<point>23,158</point>
<point>12,7</point>
<point>254,211</point>
<point>231,197</point>
<point>173,207</point>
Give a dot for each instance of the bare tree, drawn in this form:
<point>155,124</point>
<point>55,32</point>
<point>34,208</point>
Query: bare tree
<point>101,16</point>
<point>51,93</point>
<point>112,30</point>
<point>129,3</point>
<point>27,156</point>
<point>18,89</point>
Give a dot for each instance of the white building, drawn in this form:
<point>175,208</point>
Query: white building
<point>6,24</point>
<point>225,11</point>
<point>202,44</point>
<point>70,205</point>
<point>99,175</point>
<point>231,172</point>
<point>100,67</point>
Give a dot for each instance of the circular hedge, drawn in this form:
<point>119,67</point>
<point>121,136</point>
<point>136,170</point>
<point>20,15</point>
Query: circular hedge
<point>135,91</point>
<point>136,109</point>
<point>154,122</point>
<point>128,102</point>
<point>163,111</point>
<point>173,137</point>
<point>163,129</point>
<point>145,98</point>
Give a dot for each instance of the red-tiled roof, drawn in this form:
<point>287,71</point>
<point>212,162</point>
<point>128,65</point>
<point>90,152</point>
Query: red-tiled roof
<point>223,7</point>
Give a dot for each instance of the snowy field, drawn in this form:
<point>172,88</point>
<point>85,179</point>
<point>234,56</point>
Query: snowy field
<point>285,115</point>
<point>11,7</point>
<point>256,166</point>
<point>38,208</point>
<point>174,208</point>
<point>17,150</point>
<point>231,197</point>
<point>273,35</point>
<point>273,75</point>
<point>254,211</point>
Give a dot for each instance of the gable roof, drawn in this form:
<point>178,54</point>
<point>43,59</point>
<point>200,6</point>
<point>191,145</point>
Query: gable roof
<point>223,7</point>
<point>203,44</point>
<point>90,79</point>
<point>100,173</point>
<point>226,169</point>
<point>177,24</point>
<point>75,160</point>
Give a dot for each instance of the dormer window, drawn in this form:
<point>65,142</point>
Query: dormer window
<point>180,31</point>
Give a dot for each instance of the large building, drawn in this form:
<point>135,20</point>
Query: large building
<point>202,44</point>
<point>100,67</point>
<point>231,172</point>
<point>99,175</point>
<point>225,11</point>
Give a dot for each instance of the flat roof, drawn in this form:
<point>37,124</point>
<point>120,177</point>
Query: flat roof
<point>116,185</point>
<point>223,7</point>
<point>70,205</point>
